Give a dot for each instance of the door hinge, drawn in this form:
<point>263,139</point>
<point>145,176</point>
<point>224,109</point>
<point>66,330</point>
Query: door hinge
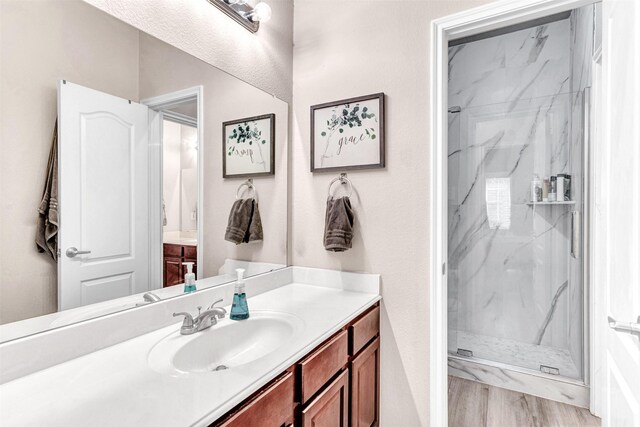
<point>444,268</point>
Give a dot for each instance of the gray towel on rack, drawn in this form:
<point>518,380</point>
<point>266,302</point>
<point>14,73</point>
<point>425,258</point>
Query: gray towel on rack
<point>338,225</point>
<point>47,223</point>
<point>244,224</point>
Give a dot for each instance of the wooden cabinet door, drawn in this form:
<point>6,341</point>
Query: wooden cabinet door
<point>331,407</point>
<point>173,271</point>
<point>272,408</point>
<point>365,387</point>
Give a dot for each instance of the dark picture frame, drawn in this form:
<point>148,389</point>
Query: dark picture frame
<point>352,128</point>
<point>244,141</point>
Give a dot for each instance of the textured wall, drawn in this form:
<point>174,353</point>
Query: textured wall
<point>263,59</point>
<point>350,48</point>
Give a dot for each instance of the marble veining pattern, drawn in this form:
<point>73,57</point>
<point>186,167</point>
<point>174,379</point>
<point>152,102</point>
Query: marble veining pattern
<point>541,385</point>
<point>519,117</point>
<point>517,353</point>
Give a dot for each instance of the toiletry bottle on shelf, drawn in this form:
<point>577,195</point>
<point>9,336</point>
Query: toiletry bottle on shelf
<point>239,308</point>
<point>552,189</point>
<point>189,278</point>
<point>545,189</point>
<point>536,189</point>
<point>567,187</point>
<point>560,187</point>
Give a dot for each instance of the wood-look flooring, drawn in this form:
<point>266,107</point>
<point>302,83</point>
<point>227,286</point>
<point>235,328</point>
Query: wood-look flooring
<point>473,404</point>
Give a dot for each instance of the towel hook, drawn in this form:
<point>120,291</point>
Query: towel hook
<point>249,184</point>
<point>343,180</point>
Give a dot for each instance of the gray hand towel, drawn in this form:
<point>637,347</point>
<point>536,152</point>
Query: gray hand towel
<point>255,227</point>
<point>244,224</point>
<point>338,225</point>
<point>47,223</point>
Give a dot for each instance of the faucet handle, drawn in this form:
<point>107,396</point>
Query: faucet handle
<point>188,319</point>
<point>224,312</point>
<point>216,302</point>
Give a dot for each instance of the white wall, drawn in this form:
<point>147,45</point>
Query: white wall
<point>171,171</point>
<point>349,48</point>
<point>262,59</point>
<point>179,176</point>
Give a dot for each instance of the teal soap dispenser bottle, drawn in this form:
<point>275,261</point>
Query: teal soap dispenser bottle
<point>239,308</point>
<point>189,278</point>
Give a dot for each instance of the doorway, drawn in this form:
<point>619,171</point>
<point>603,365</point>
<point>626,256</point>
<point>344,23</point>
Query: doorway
<point>445,337</point>
<point>176,194</point>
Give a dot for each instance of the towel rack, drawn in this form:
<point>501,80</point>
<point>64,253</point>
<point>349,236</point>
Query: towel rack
<point>343,180</point>
<point>249,184</point>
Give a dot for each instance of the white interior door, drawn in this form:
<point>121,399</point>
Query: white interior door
<point>619,209</point>
<point>103,182</point>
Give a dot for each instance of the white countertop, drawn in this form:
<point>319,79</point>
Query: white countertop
<point>180,241</point>
<point>116,387</point>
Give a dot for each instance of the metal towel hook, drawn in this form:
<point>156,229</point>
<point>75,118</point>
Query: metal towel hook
<point>344,181</point>
<point>249,184</point>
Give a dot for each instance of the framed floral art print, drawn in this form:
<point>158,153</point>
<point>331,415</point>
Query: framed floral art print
<point>248,147</point>
<point>348,134</point>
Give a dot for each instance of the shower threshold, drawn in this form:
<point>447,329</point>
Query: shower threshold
<point>518,354</point>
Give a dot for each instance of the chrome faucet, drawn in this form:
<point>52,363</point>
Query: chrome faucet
<point>203,320</point>
<point>148,297</point>
<point>151,297</point>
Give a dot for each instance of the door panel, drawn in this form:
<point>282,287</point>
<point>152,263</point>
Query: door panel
<point>107,183</point>
<point>365,387</point>
<point>103,186</point>
<point>619,212</point>
<point>331,407</point>
<point>105,288</point>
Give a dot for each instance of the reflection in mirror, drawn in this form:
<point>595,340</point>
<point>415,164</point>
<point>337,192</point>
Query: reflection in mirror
<point>130,187</point>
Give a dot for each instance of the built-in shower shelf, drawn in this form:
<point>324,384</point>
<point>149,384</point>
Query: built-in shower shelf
<point>567,202</point>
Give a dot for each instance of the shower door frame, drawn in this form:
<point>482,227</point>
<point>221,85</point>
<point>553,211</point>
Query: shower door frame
<point>478,20</point>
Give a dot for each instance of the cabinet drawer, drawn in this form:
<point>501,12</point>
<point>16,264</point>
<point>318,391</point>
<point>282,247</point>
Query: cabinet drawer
<point>172,251</point>
<point>318,368</point>
<point>191,252</point>
<point>331,407</point>
<point>271,408</point>
<point>364,329</point>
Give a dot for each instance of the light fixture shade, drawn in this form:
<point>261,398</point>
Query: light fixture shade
<point>261,12</point>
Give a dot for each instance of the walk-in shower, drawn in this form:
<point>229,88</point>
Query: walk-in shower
<point>516,276</point>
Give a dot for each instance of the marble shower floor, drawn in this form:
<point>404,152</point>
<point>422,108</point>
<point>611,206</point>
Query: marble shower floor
<point>517,353</point>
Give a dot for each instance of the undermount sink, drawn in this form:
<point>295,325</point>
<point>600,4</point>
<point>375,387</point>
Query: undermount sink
<point>227,345</point>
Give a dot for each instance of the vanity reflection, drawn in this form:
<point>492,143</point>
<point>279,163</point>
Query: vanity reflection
<point>139,184</point>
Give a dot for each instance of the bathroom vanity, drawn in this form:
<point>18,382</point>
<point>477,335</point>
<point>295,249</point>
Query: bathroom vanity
<point>337,383</point>
<point>309,353</point>
<point>173,257</point>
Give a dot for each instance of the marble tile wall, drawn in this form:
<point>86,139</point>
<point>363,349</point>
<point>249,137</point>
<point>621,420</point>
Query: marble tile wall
<point>509,269</point>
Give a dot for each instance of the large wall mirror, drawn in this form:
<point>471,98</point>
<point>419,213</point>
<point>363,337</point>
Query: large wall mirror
<point>112,169</point>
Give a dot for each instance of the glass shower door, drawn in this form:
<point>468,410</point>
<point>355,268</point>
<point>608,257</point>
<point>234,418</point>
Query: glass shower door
<point>453,172</point>
<point>515,289</point>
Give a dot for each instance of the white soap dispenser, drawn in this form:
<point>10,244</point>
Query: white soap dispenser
<point>189,278</point>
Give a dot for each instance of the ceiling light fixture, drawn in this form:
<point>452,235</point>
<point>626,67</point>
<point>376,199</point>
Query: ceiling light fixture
<point>243,13</point>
